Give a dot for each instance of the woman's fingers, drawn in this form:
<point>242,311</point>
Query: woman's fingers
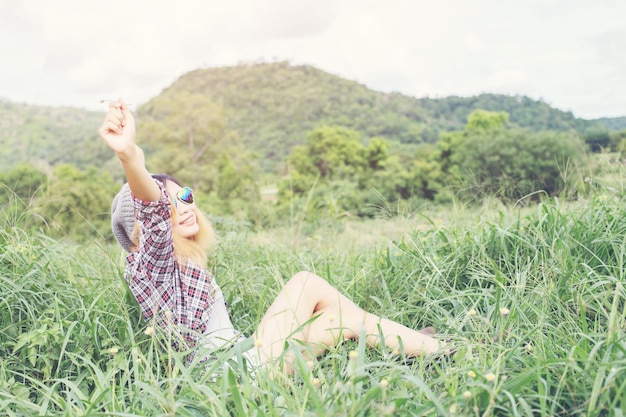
<point>112,123</point>
<point>115,120</point>
<point>127,115</point>
<point>110,126</point>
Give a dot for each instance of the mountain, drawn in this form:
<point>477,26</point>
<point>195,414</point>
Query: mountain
<point>48,136</point>
<point>272,106</point>
<point>613,123</point>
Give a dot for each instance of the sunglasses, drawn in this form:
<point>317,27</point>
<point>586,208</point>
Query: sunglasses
<point>185,195</point>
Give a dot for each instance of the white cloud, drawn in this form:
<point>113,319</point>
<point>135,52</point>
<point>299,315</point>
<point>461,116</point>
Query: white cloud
<point>567,52</point>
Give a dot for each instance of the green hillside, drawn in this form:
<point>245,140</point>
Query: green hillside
<point>523,111</point>
<point>271,107</point>
<point>613,123</point>
<point>48,136</point>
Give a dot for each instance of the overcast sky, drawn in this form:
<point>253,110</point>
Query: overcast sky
<point>568,53</point>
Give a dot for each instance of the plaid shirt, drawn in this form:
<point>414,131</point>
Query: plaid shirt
<point>159,282</point>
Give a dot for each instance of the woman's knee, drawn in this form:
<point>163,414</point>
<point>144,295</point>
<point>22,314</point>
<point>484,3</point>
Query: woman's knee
<point>304,279</point>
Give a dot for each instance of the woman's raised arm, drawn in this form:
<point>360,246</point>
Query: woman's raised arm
<point>118,131</point>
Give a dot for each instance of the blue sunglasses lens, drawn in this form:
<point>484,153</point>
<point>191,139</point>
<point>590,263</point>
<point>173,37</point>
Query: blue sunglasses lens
<point>185,195</point>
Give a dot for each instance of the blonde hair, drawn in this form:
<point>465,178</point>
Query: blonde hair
<point>195,248</point>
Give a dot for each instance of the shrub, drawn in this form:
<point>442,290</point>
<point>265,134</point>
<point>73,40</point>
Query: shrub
<point>512,164</point>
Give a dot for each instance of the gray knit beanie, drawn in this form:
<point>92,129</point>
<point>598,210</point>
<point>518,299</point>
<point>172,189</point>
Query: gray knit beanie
<point>123,217</point>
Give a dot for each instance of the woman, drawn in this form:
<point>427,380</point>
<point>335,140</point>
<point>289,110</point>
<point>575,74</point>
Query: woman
<point>155,219</point>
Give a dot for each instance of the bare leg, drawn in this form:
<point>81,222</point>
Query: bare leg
<point>310,310</point>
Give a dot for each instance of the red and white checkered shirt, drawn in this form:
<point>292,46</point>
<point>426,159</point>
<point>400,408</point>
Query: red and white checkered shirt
<point>159,282</point>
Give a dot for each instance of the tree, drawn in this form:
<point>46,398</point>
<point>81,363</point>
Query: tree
<point>20,191</point>
<point>77,203</point>
<point>24,182</point>
<point>336,172</point>
<point>425,174</point>
<point>511,164</point>
<point>330,152</point>
<point>449,146</point>
<point>597,140</point>
<point>618,142</point>
<point>184,133</point>
<point>487,158</point>
<point>486,120</point>
<point>376,154</point>
<point>236,186</point>
<point>188,138</point>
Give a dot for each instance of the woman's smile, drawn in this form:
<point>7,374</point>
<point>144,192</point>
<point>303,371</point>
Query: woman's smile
<point>191,220</point>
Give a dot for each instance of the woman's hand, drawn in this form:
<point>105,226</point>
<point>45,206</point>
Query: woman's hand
<point>118,129</point>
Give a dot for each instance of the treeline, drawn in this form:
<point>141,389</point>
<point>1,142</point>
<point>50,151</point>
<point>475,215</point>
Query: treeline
<point>332,175</point>
<point>488,158</point>
<point>65,203</point>
<point>49,136</point>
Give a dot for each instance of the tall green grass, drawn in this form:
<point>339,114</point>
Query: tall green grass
<point>533,301</point>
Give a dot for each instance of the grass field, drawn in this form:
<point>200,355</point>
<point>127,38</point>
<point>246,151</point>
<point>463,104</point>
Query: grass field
<point>533,300</point>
